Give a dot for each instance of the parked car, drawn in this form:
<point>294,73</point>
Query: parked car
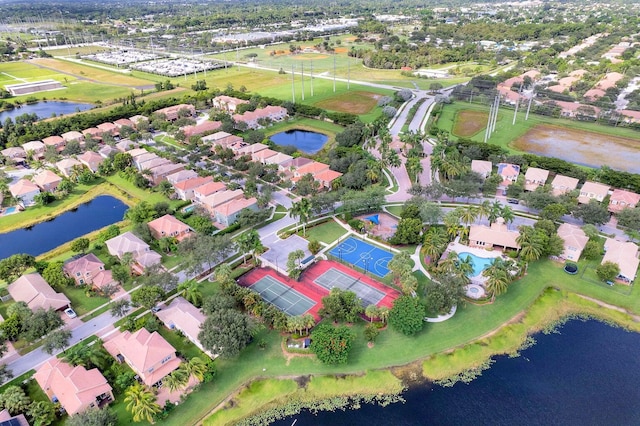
<point>156,309</point>
<point>70,313</point>
<point>513,201</point>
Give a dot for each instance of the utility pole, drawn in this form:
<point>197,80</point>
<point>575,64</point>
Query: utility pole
<point>334,73</point>
<point>293,86</point>
<point>312,79</point>
<point>526,117</point>
<point>517,103</point>
<point>348,73</point>
<point>302,78</point>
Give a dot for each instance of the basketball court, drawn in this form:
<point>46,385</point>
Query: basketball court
<point>363,255</point>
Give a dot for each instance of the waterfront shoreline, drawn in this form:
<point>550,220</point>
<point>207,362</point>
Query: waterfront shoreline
<point>463,362</point>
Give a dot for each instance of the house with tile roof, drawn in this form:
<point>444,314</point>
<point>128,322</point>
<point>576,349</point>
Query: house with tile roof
<point>169,226</point>
<point>91,159</point>
<point>137,119</point>
<point>185,190</point>
<point>203,191</point>
<point>66,166</point>
<point>227,213</point>
<point>563,184</point>
<point>482,167</point>
<point>227,103</point>
<point>6,419</point>
<point>109,128</point>
<point>76,389</point>
<point>72,136</point>
<point>496,235</point>
<point>149,355</point>
<point>535,178</point>
<point>622,199</point>
<point>181,175</point>
<point>222,139</point>
<point>47,181</point>
<point>592,191</point>
<point>625,255</point>
<point>294,164</point>
<point>575,240</point>
<point>33,290</point>
<point>136,152</point>
<point>160,172</point>
<point>174,112</point>
<point>183,316</point>
<point>253,119</point>
<point>14,152</point>
<point>125,145</point>
<point>142,254</point>
<point>124,122</point>
<point>250,149</point>
<point>55,141</point>
<point>93,133</point>
<point>35,148</point>
<point>107,151</point>
<point>278,159</point>
<point>311,168</point>
<point>214,200</point>
<point>205,128</point>
<point>83,269</point>
<point>326,178</point>
<point>25,191</point>
<point>509,173</point>
<point>263,155</point>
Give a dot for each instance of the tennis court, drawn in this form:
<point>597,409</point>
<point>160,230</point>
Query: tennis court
<point>335,278</point>
<point>288,300</point>
<point>363,255</point>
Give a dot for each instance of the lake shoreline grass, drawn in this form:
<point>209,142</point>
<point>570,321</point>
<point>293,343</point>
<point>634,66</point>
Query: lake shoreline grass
<point>260,396</point>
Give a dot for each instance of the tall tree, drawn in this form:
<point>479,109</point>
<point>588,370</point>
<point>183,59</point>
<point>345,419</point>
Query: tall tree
<point>141,403</point>
<point>407,315</point>
<point>43,413</point>
<point>302,210</point>
<point>331,344</point>
<point>249,243</point>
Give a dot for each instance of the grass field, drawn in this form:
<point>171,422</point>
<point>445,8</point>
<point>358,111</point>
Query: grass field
<point>468,123</point>
<point>327,232</point>
<point>506,133</point>
<point>352,102</point>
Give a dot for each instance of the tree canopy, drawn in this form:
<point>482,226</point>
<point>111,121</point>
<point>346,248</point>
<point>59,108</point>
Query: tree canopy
<point>332,344</point>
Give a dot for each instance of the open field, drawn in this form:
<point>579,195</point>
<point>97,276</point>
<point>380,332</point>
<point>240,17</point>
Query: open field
<point>581,147</point>
<point>468,123</point>
<point>88,72</point>
<point>352,102</point>
<point>506,133</point>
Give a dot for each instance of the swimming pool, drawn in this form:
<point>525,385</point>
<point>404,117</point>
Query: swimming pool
<point>9,210</point>
<point>479,263</point>
<point>189,208</point>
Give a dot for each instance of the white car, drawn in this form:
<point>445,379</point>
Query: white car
<point>70,313</point>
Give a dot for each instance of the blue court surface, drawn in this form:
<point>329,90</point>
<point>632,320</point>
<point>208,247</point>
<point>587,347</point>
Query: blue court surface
<point>363,255</point>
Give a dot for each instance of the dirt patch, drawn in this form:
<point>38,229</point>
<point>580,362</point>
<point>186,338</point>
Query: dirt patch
<point>581,147</point>
<point>410,374</point>
<point>302,381</point>
<point>341,50</point>
<point>309,57</point>
<point>468,123</point>
<point>352,102</point>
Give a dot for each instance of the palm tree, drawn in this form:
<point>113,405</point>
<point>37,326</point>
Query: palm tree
<point>393,159</point>
<point>373,171</point>
<point>309,321</point>
<point>498,282</point>
<point>449,264</point>
<point>469,214</point>
<point>507,214</point>
<point>452,223</point>
<point>249,242</point>
<point>250,300</point>
<point>302,210</point>
<point>464,267</point>
<point>165,188</point>
<point>435,242</point>
<point>383,313</point>
<point>196,367</point>
<point>223,273</point>
<point>531,246</point>
<point>191,292</point>
<point>177,380</point>
<point>371,312</point>
<point>495,212</point>
<point>484,209</point>
<point>141,403</point>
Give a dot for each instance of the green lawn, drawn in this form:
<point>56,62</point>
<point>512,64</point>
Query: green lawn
<point>326,232</point>
<point>506,132</point>
<point>182,344</point>
<point>80,302</point>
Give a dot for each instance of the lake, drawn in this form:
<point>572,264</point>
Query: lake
<point>99,212</point>
<point>304,140</point>
<point>45,109</point>
<point>587,374</point>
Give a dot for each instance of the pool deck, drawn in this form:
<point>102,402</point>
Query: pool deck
<point>461,248</point>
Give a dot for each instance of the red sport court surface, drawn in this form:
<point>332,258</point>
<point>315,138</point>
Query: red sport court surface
<point>305,296</point>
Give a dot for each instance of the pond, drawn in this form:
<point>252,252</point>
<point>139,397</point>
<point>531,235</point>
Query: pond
<point>45,109</point>
<point>582,147</point>
<point>304,140</point>
<point>579,376</point>
<point>97,213</point>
